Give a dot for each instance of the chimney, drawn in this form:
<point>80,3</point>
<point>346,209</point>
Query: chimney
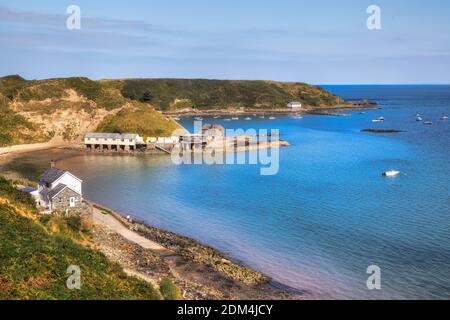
<point>52,163</point>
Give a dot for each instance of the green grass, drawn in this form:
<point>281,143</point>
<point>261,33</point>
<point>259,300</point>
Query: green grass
<point>14,128</point>
<point>34,261</point>
<point>169,290</point>
<point>143,120</point>
<point>209,94</point>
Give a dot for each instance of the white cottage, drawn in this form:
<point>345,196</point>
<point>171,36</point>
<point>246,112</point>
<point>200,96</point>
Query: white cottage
<point>59,190</point>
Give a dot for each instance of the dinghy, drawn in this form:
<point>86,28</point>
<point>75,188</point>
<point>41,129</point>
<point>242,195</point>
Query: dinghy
<point>391,173</point>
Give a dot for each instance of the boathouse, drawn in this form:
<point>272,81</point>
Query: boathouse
<point>193,141</point>
<point>213,131</point>
<point>113,141</point>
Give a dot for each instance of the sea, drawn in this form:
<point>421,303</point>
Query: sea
<point>327,225</point>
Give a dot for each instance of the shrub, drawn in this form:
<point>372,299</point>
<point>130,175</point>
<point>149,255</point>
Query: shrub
<point>169,290</point>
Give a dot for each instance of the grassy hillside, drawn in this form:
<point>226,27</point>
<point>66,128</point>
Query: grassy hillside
<point>35,253</point>
<point>171,94</point>
<point>65,109</point>
<point>142,119</point>
<point>15,128</point>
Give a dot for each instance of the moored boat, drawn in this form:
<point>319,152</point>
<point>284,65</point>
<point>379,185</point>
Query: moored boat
<point>391,173</point>
<point>379,119</point>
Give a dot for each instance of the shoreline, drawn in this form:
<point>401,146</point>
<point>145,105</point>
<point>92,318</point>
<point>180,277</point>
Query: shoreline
<point>197,265</point>
<point>184,251</point>
<point>267,112</point>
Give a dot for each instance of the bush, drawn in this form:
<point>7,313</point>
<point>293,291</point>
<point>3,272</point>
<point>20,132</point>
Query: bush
<point>169,290</point>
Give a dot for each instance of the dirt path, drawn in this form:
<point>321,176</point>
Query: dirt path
<point>116,226</point>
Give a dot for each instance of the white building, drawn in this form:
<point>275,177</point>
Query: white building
<point>59,190</point>
<point>112,141</point>
<point>294,105</point>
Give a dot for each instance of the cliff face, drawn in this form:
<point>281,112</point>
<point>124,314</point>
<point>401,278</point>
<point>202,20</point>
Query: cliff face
<point>65,109</point>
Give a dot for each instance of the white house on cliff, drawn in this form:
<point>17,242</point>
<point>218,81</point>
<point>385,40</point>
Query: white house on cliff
<point>59,190</point>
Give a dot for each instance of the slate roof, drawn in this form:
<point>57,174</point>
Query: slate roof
<point>115,136</point>
<point>52,193</point>
<point>51,175</point>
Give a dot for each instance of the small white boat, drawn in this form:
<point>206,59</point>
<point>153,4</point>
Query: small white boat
<point>198,118</point>
<point>262,117</point>
<point>391,173</point>
<point>419,118</point>
<point>297,116</point>
<point>248,118</point>
<point>444,118</point>
<point>272,118</point>
<point>428,122</point>
<point>216,117</point>
<point>235,118</point>
<point>227,119</point>
<point>176,118</point>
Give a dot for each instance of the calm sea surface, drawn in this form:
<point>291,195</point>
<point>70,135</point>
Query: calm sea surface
<point>328,214</point>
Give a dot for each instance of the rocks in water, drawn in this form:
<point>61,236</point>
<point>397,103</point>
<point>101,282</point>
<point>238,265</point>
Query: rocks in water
<point>203,254</point>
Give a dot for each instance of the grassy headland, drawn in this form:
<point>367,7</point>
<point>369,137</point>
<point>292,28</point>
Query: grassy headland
<point>64,109</point>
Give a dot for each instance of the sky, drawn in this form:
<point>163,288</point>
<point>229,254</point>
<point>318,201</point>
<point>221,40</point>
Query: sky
<point>319,42</point>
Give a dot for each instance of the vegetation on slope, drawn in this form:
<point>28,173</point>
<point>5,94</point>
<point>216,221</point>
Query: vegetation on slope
<point>169,94</point>
<point>38,110</point>
<point>143,119</point>
<point>16,129</point>
<point>35,255</point>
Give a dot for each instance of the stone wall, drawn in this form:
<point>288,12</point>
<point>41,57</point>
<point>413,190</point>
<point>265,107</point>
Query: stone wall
<point>62,200</point>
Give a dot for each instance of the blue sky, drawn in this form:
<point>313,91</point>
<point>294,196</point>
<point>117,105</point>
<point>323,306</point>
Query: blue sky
<point>321,42</point>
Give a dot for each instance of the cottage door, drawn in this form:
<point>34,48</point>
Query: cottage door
<point>72,201</point>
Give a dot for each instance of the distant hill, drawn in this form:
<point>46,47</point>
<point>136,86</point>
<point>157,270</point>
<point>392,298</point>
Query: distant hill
<point>65,109</point>
<point>170,94</point>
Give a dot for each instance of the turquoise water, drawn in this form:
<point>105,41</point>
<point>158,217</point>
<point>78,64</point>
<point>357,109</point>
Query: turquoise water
<point>328,214</point>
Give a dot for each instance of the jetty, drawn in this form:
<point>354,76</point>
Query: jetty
<point>210,136</point>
